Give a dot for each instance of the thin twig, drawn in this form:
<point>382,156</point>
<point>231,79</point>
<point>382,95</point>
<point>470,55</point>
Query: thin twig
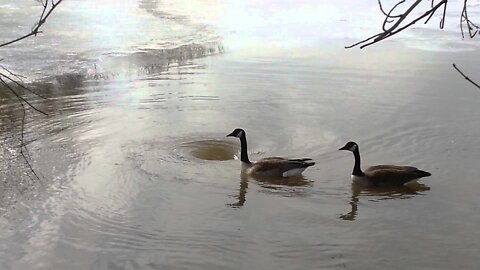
<point>45,5</point>
<point>36,28</point>
<point>442,21</point>
<point>21,98</point>
<point>21,85</point>
<point>395,28</point>
<point>389,16</point>
<point>18,76</point>
<point>17,79</point>
<point>360,42</point>
<point>466,78</point>
<point>385,13</point>
<point>399,21</point>
<point>470,24</point>
<point>22,139</point>
<point>22,142</point>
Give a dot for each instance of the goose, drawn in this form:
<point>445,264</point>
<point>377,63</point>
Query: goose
<point>382,175</point>
<point>270,166</point>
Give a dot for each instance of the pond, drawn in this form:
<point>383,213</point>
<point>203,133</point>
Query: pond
<point>136,171</point>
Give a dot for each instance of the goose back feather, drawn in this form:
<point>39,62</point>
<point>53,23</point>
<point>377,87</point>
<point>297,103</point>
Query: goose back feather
<point>382,175</point>
<point>277,166</point>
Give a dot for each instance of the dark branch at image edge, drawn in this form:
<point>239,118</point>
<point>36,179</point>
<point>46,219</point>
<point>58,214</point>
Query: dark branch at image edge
<point>8,77</point>
<point>396,22</point>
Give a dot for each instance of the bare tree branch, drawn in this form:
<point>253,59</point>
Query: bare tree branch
<point>8,76</point>
<point>398,19</point>
<point>472,27</point>
<point>385,13</point>
<point>36,28</point>
<point>399,22</point>
<point>20,97</point>
<point>17,81</point>
<point>17,76</point>
<point>24,111</point>
<point>466,78</point>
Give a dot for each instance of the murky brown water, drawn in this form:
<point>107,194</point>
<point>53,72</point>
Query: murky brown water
<point>136,171</point>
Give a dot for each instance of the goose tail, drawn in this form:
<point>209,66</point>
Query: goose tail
<point>308,163</point>
<point>423,173</point>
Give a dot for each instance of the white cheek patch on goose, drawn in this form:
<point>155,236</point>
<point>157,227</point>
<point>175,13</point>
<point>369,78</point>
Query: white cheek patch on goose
<point>353,148</point>
<point>240,134</point>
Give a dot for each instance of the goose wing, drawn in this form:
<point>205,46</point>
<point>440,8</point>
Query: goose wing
<point>392,167</point>
<point>394,175</point>
<point>279,165</point>
<point>281,158</point>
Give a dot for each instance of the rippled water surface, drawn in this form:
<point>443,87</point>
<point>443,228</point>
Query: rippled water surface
<point>136,172</point>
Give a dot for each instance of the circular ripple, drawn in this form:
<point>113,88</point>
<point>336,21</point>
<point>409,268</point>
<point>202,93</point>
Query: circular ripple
<point>211,149</point>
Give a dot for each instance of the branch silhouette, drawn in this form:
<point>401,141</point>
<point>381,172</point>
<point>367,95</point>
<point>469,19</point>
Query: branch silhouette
<point>472,27</point>
<point>465,76</point>
<point>9,78</point>
<point>46,12</point>
<point>396,22</point>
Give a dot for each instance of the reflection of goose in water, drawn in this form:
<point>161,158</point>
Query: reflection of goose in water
<point>281,183</point>
<point>270,183</point>
<point>382,175</point>
<point>271,166</point>
<point>378,194</point>
<point>242,192</point>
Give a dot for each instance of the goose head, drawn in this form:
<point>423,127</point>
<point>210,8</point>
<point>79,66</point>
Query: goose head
<point>350,146</point>
<point>238,132</point>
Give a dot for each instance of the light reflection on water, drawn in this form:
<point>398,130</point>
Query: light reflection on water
<point>138,172</point>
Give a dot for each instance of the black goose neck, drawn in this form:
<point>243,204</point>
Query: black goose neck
<point>357,170</point>
<point>244,153</point>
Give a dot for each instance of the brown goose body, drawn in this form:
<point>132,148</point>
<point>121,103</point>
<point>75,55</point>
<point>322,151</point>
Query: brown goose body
<point>270,166</point>
<point>392,175</point>
<point>383,175</point>
<point>278,166</point>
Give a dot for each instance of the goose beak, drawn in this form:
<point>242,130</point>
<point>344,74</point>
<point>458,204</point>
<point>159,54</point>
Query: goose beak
<point>343,148</point>
<point>230,135</point>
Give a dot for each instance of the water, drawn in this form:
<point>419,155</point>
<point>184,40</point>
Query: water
<point>136,171</point>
